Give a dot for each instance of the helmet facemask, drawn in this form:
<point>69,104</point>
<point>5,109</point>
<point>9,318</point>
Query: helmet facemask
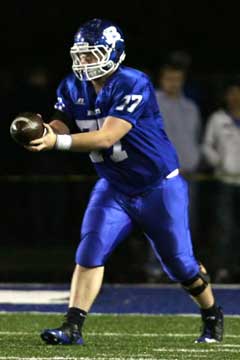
<point>102,66</point>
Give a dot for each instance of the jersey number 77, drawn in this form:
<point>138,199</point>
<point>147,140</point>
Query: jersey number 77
<point>118,154</point>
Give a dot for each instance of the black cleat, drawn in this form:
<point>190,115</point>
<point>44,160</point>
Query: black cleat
<point>67,334</point>
<point>213,327</point>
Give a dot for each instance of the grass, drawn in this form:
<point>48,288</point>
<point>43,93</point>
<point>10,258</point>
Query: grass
<point>117,337</point>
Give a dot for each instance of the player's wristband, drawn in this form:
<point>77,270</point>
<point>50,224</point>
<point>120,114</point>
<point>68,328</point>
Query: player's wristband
<point>63,142</point>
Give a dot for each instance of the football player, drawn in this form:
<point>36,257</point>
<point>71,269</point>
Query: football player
<point>121,127</point>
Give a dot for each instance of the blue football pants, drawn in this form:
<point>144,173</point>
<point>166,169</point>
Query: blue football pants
<point>161,213</point>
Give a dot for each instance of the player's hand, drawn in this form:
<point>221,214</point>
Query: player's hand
<point>47,142</point>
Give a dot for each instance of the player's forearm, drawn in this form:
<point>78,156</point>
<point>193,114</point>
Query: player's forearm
<point>59,127</point>
<point>112,131</point>
<point>94,140</point>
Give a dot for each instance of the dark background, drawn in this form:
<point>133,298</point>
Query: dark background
<point>41,204</point>
<point>34,32</point>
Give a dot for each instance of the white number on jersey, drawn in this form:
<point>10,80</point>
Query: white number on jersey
<point>96,156</point>
<point>129,103</point>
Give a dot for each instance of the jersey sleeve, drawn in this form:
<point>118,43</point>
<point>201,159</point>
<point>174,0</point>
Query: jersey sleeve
<point>64,101</point>
<point>129,101</point>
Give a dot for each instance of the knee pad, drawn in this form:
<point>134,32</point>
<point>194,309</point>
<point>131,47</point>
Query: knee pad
<point>197,290</point>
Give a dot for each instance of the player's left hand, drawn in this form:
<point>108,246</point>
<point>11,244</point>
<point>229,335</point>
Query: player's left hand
<point>47,142</point>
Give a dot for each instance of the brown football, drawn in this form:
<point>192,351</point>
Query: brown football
<point>26,127</point>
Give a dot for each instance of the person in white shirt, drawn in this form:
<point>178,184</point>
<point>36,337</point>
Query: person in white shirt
<point>221,149</point>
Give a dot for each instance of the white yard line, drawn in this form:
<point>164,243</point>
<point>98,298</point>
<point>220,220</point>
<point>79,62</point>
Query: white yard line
<point>198,353</point>
<point>33,297</point>
<point>113,334</point>
<point>229,345</point>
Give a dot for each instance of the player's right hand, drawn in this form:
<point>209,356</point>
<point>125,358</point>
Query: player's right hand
<point>46,142</point>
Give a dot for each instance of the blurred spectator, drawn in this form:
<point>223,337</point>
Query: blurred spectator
<point>181,115</point>
<point>192,88</point>
<point>183,126</point>
<point>221,149</point>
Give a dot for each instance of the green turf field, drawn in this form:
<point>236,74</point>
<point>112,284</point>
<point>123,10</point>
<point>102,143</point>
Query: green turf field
<point>116,337</point>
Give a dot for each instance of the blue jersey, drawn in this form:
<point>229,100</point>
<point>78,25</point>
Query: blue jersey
<point>144,156</point>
